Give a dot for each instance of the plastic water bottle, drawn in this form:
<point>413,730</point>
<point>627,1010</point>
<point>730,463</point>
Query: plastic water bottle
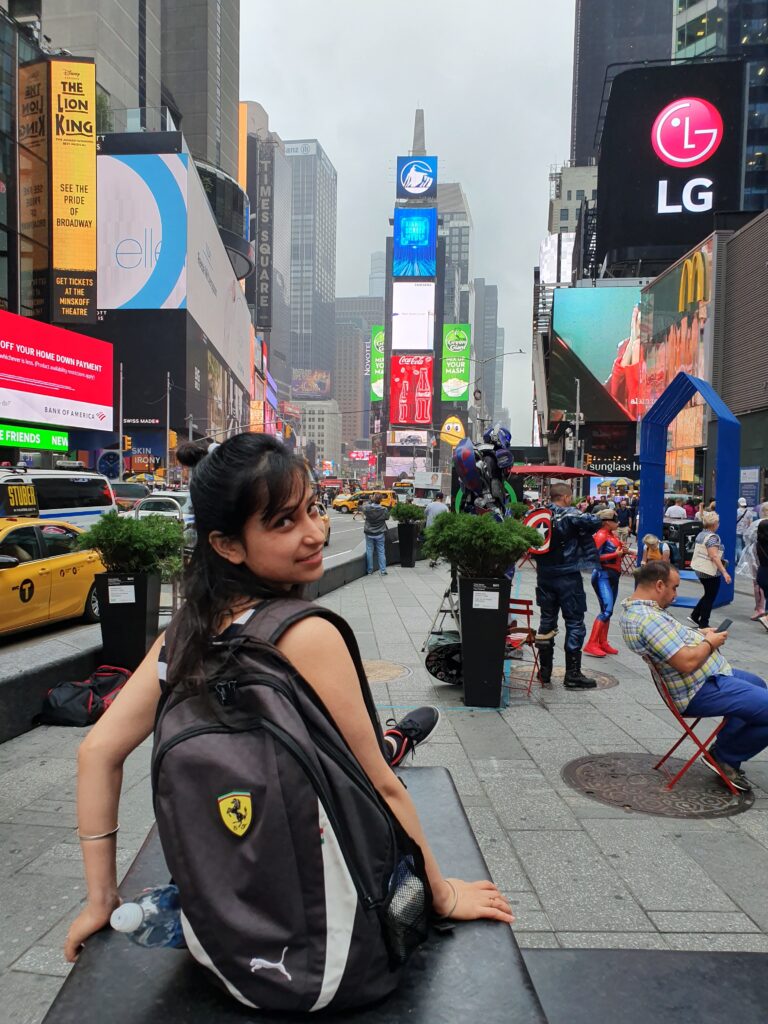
<point>153,919</point>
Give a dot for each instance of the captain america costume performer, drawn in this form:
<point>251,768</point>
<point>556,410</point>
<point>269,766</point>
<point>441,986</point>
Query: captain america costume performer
<point>605,583</point>
<point>559,586</point>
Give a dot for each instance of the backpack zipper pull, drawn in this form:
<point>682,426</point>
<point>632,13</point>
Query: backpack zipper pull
<point>226,691</point>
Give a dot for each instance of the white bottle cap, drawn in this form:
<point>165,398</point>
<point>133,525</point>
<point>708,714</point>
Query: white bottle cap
<point>127,918</point>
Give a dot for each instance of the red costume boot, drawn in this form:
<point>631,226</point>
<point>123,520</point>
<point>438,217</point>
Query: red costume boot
<point>593,646</point>
<point>604,639</point>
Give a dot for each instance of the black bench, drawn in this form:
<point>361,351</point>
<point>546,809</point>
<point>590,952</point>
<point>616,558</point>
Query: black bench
<point>475,971</point>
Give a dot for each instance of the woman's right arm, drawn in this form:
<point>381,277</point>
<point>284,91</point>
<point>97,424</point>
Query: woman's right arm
<point>100,760</point>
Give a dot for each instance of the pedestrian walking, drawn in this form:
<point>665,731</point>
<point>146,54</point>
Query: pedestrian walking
<point>744,518</point>
<point>375,530</point>
<point>623,521</point>
<point>707,563</point>
<point>689,507</point>
<point>559,587</point>
<point>749,563</point>
<point>435,508</point>
<point>675,512</point>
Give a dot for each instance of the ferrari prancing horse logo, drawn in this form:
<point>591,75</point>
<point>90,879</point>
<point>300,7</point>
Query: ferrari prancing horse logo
<point>236,812</point>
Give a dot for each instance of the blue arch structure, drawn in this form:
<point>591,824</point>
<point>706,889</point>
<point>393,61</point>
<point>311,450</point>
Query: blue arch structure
<point>653,452</point>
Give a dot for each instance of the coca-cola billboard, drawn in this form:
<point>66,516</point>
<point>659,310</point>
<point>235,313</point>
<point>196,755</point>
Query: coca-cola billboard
<point>410,390</point>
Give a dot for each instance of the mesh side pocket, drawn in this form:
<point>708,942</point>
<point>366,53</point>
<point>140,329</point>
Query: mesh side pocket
<point>405,912</point>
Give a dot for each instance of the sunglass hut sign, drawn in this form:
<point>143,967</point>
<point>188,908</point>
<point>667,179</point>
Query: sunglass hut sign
<point>685,134</point>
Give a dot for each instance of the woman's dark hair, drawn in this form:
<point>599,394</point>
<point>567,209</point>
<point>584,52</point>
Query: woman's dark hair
<point>246,475</point>
<point>190,453</point>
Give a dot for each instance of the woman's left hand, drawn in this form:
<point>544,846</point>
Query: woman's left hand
<point>476,900</point>
<point>727,576</point>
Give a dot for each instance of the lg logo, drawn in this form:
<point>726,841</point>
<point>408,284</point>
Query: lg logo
<point>686,133</point>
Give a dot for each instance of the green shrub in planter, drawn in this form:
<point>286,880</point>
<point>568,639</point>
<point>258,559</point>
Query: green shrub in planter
<point>151,544</point>
<point>404,513</point>
<point>479,546</point>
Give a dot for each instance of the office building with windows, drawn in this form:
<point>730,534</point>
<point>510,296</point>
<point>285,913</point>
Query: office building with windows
<point>313,256</point>
<point>453,209</point>
<point>609,32</point>
<point>489,368</point>
<point>321,426</point>
<point>349,379</point>
<point>377,278</point>
<point>361,312</point>
<point>569,187</point>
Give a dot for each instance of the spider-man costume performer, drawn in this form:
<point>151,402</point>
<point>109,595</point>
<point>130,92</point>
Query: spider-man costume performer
<point>605,583</point>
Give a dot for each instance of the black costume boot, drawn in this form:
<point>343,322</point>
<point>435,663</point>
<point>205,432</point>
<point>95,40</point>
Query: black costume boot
<point>546,658</point>
<point>574,680</point>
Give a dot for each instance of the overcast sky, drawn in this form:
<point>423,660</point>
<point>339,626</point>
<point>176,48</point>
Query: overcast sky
<point>494,79</point>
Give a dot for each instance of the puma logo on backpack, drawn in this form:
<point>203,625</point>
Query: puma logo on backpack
<point>275,836</point>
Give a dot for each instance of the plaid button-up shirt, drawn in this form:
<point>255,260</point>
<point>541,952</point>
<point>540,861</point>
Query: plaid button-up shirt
<point>649,630</point>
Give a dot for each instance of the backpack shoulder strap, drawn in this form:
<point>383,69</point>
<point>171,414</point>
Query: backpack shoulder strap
<point>273,617</point>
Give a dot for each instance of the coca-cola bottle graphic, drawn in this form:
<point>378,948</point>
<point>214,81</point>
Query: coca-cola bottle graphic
<point>423,395</point>
<point>402,405</point>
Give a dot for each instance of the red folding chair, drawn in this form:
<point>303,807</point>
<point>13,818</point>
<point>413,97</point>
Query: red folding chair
<point>519,636</point>
<point>688,732</point>
<point>629,562</point>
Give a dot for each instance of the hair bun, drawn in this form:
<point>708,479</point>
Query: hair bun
<point>190,453</point>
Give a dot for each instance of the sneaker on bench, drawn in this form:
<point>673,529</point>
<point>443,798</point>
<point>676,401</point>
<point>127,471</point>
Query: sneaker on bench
<point>404,736</point>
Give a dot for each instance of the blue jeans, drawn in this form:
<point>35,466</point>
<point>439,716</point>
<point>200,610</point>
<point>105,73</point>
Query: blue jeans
<point>743,699</point>
<point>555,594</point>
<point>376,543</point>
<point>739,547</point>
<point>605,584</point>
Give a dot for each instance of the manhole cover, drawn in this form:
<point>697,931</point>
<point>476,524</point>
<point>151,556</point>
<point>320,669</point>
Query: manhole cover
<point>520,674</point>
<point>385,671</point>
<point>629,781</point>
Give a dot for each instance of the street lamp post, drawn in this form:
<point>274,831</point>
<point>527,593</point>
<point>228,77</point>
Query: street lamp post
<point>478,393</point>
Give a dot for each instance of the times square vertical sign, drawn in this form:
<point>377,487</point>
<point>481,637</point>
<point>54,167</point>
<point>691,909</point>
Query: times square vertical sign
<point>265,216</point>
<point>72,91</point>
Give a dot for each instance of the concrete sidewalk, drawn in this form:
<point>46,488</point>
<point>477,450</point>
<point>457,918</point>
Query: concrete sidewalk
<point>577,872</point>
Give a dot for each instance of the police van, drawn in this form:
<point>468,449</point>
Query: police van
<point>76,495</point>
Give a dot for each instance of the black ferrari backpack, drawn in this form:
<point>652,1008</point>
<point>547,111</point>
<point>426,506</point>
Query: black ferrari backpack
<point>299,889</point>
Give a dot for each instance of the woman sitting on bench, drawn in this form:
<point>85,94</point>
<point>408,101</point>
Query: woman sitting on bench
<point>259,536</point>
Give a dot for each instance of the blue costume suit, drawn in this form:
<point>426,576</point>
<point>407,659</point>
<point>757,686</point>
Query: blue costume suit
<point>558,574</point>
<point>605,580</point>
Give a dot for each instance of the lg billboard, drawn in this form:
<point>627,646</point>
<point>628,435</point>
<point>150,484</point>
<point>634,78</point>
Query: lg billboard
<point>671,155</point>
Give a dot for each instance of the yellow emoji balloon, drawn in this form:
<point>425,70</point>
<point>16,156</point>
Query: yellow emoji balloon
<point>452,431</point>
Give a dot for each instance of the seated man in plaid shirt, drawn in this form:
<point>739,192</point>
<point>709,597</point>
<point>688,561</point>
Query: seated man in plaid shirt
<point>700,681</point>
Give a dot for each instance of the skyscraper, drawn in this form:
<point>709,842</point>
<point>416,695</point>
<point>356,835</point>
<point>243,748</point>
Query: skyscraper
<point>362,312</point>
<point>453,208</point>
<point>313,256</point>
<point>348,377</point>
<point>488,367</point>
<point>377,278</point>
<point>200,75</point>
<point>609,32</point>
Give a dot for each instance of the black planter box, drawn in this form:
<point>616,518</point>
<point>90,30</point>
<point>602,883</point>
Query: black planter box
<point>484,611</point>
<point>129,606</point>
<point>407,535</point>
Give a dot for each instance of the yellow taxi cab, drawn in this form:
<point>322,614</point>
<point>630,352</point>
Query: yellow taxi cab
<point>325,519</point>
<point>351,502</point>
<point>43,577</point>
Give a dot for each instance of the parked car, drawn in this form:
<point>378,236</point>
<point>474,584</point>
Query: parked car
<point>351,502</point>
<point>163,503</point>
<point>128,494</point>
<point>43,577</point>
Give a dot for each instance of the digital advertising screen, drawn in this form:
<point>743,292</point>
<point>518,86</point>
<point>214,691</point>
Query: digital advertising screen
<point>413,315</point>
<point>454,372</point>
<point>404,466</point>
<point>410,390</point>
<point>311,384</point>
<point>670,156</point>
<point>415,242</point>
<point>596,338</point>
<point>53,376</point>
<point>417,177</point>
<point>408,437</point>
<point>377,363</point>
<point>143,231</point>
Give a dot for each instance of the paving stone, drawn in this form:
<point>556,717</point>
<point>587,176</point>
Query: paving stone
<point>713,922</point>
<point>31,905</point>
<point>577,888</point>
<point>536,940</point>
<point>505,868</point>
<point>20,846</point>
<point>754,942</point>
<point>612,940</point>
<point>43,960</point>
<point>523,799</point>
<point>485,735</point>
<point>25,998</point>
<point>654,867</point>
<point>737,864</point>
<point>64,860</point>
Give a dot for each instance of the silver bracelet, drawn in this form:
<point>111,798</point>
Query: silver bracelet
<point>104,835</point>
<point>455,897</point>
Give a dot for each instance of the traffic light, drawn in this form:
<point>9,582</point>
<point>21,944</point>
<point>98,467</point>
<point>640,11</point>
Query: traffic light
<point>173,439</point>
<point>127,442</point>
